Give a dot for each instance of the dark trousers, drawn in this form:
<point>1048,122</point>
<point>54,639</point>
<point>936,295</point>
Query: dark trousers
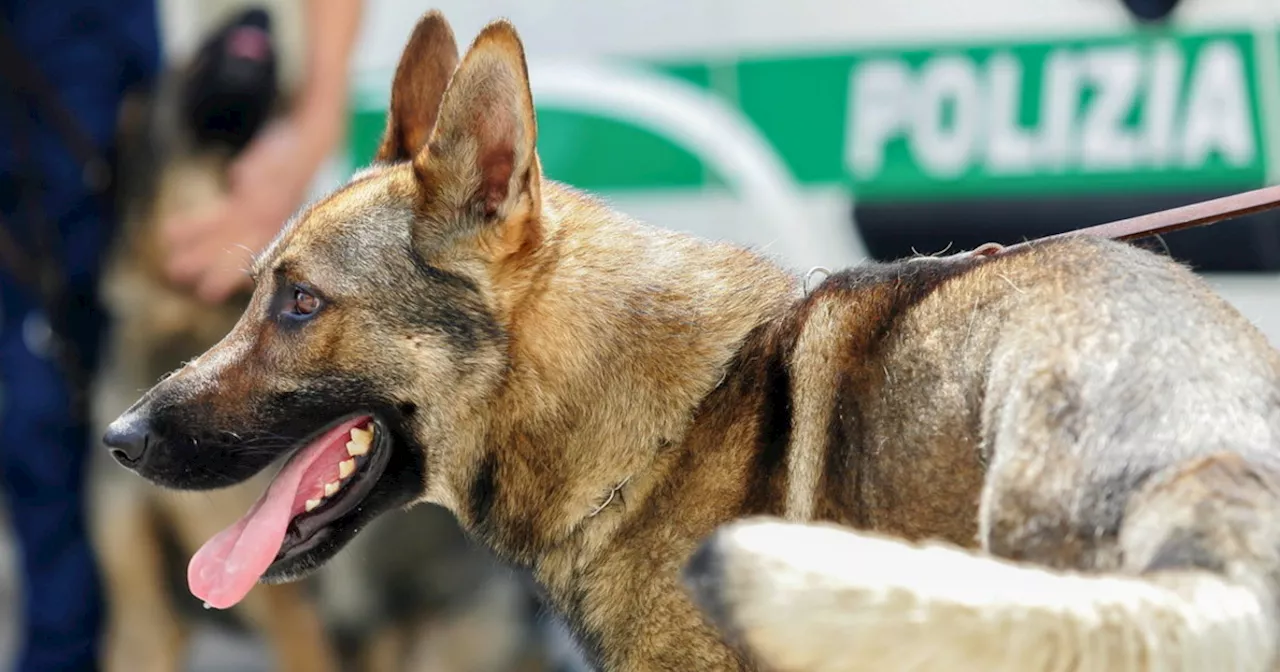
<point>43,464</point>
<point>90,52</point>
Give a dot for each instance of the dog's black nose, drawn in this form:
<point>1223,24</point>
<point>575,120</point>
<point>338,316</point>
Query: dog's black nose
<point>128,438</point>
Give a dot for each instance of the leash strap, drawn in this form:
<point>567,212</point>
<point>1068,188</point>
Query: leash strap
<point>1165,221</point>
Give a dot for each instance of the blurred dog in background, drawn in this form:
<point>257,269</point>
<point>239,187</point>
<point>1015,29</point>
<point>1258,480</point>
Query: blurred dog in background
<point>415,594</point>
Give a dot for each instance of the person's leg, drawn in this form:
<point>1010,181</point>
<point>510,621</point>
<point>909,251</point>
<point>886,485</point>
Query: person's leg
<point>43,460</point>
<point>89,57</point>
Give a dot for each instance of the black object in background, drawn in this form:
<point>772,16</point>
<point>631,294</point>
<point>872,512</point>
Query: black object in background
<point>231,87</point>
<point>898,229</point>
<point>1150,10</point>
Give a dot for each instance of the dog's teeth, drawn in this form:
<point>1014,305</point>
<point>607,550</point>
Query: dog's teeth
<point>330,488</point>
<point>355,448</point>
<point>346,468</point>
<point>364,436</point>
<point>312,504</point>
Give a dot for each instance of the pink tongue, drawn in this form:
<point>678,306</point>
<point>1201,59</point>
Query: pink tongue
<point>228,566</point>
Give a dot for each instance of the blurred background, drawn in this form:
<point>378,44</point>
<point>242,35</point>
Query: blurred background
<point>825,133</point>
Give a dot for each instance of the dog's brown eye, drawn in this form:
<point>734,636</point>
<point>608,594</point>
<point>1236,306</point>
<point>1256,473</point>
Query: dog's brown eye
<point>304,303</point>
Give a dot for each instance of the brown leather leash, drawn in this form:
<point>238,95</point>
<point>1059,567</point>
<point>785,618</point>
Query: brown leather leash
<point>1165,221</point>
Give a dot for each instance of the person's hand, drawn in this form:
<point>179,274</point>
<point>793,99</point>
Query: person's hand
<point>210,250</point>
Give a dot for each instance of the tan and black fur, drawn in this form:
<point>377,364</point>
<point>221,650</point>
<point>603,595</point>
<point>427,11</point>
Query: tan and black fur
<point>427,601</point>
<point>597,400</point>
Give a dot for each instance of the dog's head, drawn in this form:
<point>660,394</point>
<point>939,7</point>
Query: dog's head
<point>377,327</point>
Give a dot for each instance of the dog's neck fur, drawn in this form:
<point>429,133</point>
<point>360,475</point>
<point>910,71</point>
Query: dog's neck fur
<point>644,367</point>
<point>680,305</point>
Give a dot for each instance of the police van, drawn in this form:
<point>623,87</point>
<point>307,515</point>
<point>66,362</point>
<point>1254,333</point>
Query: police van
<point>827,133</point>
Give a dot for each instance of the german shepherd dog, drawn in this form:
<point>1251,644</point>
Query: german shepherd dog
<point>599,401</point>
<point>430,600</point>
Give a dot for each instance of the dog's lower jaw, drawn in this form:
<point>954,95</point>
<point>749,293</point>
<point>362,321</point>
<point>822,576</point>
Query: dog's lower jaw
<point>389,489</point>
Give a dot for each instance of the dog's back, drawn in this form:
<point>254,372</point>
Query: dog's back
<point>1115,417</point>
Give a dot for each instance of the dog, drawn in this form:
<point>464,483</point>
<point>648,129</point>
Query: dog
<point>422,600</point>
<point>1065,456</point>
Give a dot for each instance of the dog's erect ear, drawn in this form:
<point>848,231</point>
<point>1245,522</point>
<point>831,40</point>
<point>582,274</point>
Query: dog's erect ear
<point>481,158</point>
<point>428,61</point>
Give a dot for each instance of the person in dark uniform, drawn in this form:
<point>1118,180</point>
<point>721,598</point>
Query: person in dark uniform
<point>65,66</point>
